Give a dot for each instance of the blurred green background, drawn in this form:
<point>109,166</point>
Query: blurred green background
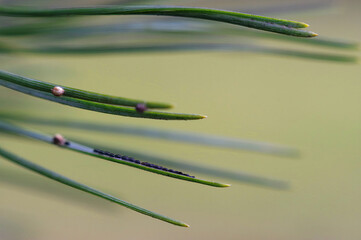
<point>311,105</point>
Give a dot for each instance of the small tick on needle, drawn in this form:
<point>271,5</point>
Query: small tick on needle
<point>59,140</point>
<point>141,107</point>
<point>57,91</point>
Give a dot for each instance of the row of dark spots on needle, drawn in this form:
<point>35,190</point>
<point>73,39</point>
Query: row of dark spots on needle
<point>61,141</point>
<point>130,159</point>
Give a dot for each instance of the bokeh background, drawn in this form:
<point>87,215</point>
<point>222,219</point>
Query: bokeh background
<point>308,104</point>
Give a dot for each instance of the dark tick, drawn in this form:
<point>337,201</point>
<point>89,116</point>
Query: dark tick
<point>141,107</point>
<point>59,140</point>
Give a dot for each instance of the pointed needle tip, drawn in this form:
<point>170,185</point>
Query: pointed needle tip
<point>305,25</point>
<point>226,185</point>
<point>169,105</point>
<point>182,224</point>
